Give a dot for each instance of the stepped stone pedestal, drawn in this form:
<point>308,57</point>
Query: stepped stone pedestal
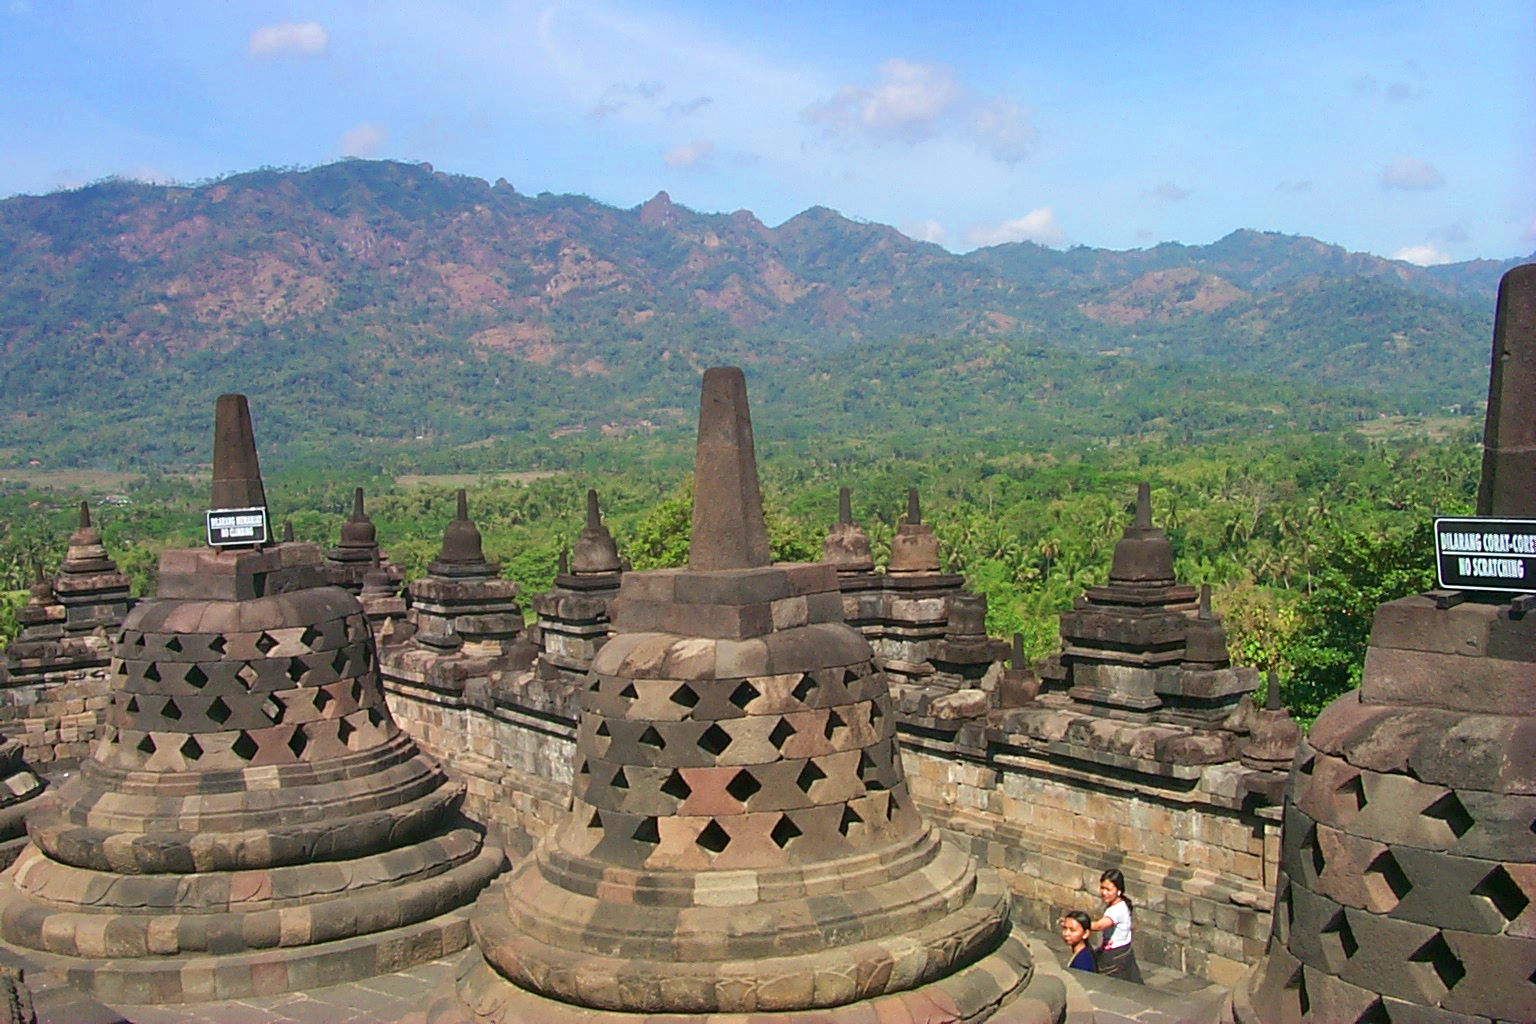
<point>1407,887</point>
<point>574,615</point>
<point>56,681</point>
<point>741,840</point>
<point>251,821</point>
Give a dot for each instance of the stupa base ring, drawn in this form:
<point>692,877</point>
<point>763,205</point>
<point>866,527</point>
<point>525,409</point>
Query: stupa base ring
<point>1000,987</point>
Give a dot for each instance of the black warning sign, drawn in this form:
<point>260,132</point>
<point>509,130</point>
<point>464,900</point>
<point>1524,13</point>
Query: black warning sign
<point>1486,554</point>
<point>232,526</point>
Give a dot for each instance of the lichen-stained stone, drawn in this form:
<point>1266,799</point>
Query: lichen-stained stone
<point>251,814</point>
<point>741,839</point>
<point>1408,852</point>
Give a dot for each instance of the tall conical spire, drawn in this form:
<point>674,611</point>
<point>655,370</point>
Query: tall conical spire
<point>85,516</point>
<point>1143,506</point>
<point>844,507</point>
<point>1508,487</point>
<point>728,527</point>
<point>236,471</point>
<point>914,510</point>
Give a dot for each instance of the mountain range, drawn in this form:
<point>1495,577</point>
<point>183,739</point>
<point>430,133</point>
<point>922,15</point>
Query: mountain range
<point>375,305</point>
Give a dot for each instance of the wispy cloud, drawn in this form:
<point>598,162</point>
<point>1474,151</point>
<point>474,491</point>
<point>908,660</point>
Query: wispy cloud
<point>1410,175</point>
<point>912,102</point>
<point>621,95</point>
<point>687,107</point>
<point>1038,225</point>
<point>361,140</point>
<point>689,154</point>
<point>1168,192</point>
<point>298,38</point>
<point>1425,255</point>
<point>924,231</point>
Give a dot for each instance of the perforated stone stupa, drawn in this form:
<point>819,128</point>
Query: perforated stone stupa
<point>741,839</point>
<point>1407,885</point>
<point>252,821</point>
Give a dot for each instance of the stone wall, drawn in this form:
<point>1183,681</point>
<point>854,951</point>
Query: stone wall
<point>57,719</point>
<point>1199,855</point>
<point>1198,848</point>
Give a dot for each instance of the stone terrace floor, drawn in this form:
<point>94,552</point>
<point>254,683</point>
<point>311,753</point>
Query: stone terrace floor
<point>1168,998</point>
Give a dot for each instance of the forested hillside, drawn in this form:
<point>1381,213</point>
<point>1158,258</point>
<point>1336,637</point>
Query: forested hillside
<point>385,312</point>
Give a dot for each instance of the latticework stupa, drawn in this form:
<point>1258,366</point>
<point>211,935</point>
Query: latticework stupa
<point>1407,883</point>
<point>741,839</point>
<point>252,821</point>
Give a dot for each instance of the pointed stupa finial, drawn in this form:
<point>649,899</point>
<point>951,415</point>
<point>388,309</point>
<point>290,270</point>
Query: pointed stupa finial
<point>728,527</point>
<point>595,551</point>
<point>1016,655</point>
<point>564,565</point>
<point>236,471</point>
<point>1508,485</point>
<point>461,553</point>
<point>594,518</point>
<point>914,509</point>
<point>1272,692</point>
<point>1143,555</point>
<point>287,531</point>
<point>846,546</point>
<point>1205,602</point>
<point>85,532</point>
<point>358,531</point>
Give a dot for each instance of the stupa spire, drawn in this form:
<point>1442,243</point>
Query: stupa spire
<point>1508,486</point>
<point>728,527</point>
<point>236,470</point>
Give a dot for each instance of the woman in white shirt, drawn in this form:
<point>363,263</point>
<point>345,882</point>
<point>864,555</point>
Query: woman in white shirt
<point>1115,954</point>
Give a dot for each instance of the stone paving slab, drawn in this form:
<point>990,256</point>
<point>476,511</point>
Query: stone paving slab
<point>1168,998</point>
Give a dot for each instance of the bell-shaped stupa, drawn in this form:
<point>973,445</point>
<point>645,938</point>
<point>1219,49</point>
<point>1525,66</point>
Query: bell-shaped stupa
<point>1407,882</point>
<point>741,838</point>
<point>252,821</point>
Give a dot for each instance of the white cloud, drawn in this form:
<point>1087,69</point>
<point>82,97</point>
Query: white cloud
<point>905,103</point>
<point>1038,225</point>
<point>1425,255</point>
<point>1168,192</point>
<point>1003,128</point>
<point>361,140</point>
<point>1410,175</point>
<point>304,38</point>
<point>924,231</point>
<point>912,102</point>
<point>689,154</point>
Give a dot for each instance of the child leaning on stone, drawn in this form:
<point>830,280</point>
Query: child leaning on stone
<point>1076,926</point>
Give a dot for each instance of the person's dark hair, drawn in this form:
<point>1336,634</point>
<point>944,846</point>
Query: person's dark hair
<point>1115,878</point>
<point>1081,918</point>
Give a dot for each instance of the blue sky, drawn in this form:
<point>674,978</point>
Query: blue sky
<point>1402,129</point>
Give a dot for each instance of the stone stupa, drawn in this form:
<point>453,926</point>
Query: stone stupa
<point>251,821</point>
<point>1407,882</point>
<point>741,838</point>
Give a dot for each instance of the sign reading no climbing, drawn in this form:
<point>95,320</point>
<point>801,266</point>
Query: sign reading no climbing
<point>231,526</point>
<point>1486,554</point>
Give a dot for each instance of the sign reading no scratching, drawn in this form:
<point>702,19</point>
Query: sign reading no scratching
<point>231,526</point>
<point>1486,554</point>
